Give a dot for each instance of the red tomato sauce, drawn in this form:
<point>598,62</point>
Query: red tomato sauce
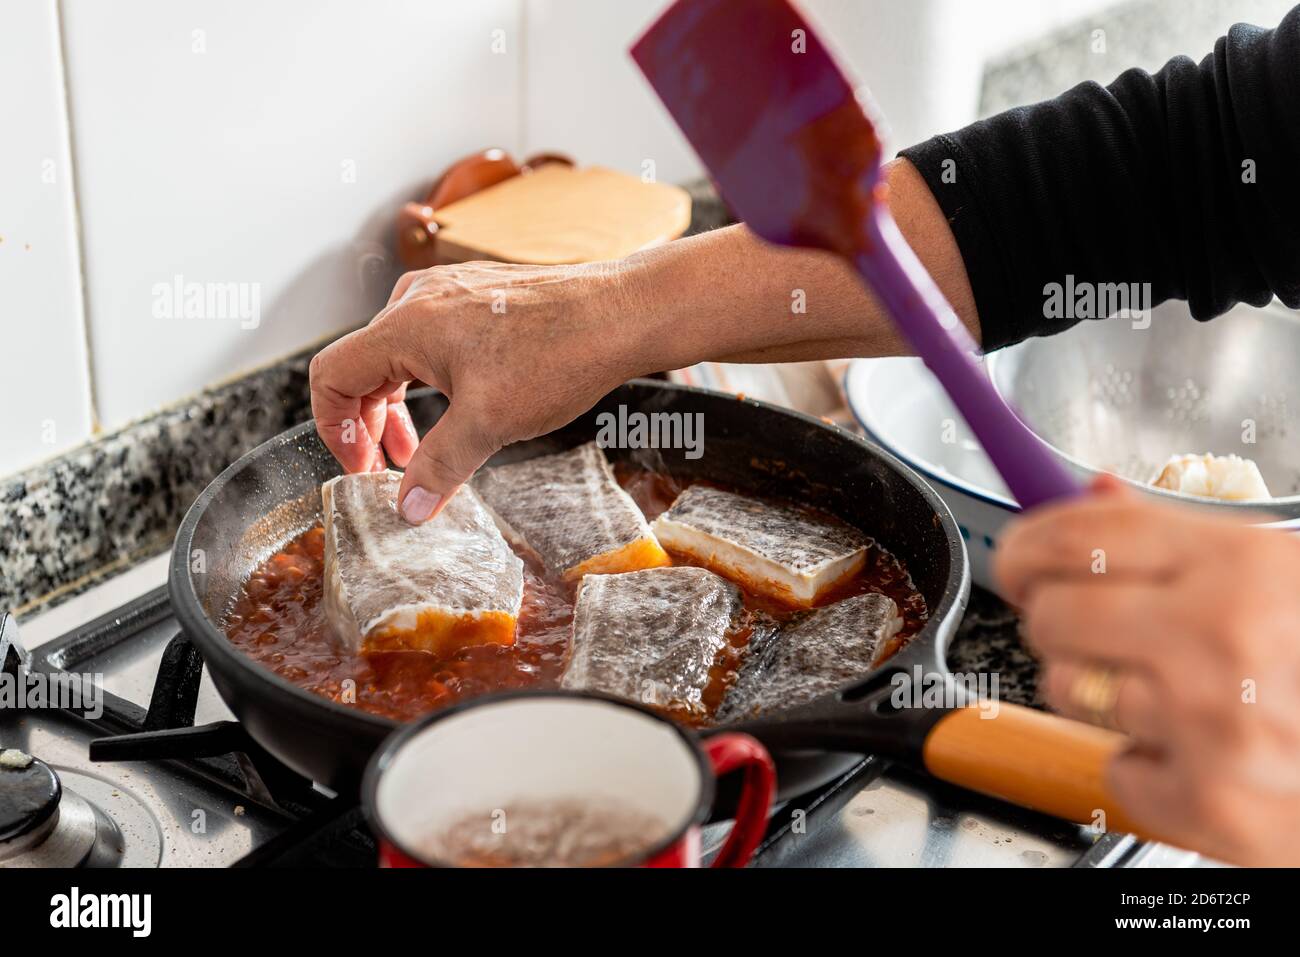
<point>278,620</point>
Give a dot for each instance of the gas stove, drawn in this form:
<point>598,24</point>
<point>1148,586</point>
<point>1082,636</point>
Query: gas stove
<point>137,762</point>
<point>137,811</point>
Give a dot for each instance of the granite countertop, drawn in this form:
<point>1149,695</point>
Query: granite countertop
<point>98,510</point>
<point>988,642</point>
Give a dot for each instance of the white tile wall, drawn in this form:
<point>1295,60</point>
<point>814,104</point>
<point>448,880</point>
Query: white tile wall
<point>268,145</point>
<point>44,379</point>
<point>921,59</point>
<point>584,96</point>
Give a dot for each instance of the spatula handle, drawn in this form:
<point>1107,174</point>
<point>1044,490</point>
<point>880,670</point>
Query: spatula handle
<point>934,332</point>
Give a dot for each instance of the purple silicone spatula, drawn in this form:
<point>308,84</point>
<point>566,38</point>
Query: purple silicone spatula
<point>795,156</point>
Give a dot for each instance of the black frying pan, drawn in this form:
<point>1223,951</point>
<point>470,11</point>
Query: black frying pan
<point>272,494</point>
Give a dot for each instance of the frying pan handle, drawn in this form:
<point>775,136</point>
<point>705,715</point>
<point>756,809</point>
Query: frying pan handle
<point>1037,760</point>
<point>1031,758</point>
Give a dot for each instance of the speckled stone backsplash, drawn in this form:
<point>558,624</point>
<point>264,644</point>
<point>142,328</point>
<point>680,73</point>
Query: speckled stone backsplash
<point>105,505</point>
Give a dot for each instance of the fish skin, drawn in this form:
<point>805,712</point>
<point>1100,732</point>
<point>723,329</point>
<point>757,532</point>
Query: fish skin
<point>784,551</point>
<point>652,635</point>
<point>570,511</point>
<point>812,654</point>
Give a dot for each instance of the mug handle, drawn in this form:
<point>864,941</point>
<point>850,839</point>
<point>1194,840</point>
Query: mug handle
<point>740,752</point>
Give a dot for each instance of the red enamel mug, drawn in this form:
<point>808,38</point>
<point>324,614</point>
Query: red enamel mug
<point>468,773</point>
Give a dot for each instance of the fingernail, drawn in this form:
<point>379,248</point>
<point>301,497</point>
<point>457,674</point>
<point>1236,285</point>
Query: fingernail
<point>419,505</point>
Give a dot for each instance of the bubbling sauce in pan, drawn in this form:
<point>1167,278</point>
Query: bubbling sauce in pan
<point>279,621</point>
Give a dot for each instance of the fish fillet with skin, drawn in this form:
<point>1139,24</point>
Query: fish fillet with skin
<point>812,655</point>
<point>438,587</point>
<point>569,510</point>
<point>651,636</point>
<point>781,551</point>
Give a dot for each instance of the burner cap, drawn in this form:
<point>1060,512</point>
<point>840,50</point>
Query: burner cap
<point>29,797</point>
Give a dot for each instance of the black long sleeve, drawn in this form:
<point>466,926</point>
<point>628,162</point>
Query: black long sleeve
<point>1142,181</point>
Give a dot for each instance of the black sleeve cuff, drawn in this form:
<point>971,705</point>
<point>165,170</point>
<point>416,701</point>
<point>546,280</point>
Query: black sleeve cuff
<point>949,176</point>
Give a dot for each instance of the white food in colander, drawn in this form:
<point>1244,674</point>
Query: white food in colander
<point>1227,477</point>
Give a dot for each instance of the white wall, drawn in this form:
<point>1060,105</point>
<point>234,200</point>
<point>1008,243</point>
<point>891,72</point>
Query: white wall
<point>268,145</point>
<point>922,60</point>
<point>265,144</point>
<point>44,387</point>
<point>584,96</point>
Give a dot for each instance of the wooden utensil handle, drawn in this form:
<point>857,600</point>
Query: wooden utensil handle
<point>1033,759</point>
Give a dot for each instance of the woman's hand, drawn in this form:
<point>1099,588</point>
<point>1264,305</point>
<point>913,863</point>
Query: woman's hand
<point>1191,624</point>
<point>521,350</point>
<point>518,351</point>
